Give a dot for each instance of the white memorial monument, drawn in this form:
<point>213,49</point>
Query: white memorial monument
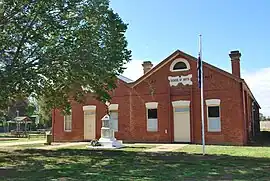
<point>107,139</point>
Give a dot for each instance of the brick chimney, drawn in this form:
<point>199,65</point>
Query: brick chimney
<point>147,65</point>
<point>235,60</point>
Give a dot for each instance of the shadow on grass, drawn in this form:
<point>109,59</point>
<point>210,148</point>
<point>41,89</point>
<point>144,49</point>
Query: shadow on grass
<point>80,164</point>
<point>138,147</point>
<point>263,139</point>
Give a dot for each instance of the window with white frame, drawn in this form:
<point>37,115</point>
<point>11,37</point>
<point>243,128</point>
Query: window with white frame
<point>213,114</point>
<point>114,120</point>
<point>152,119</point>
<point>68,122</point>
<point>114,116</point>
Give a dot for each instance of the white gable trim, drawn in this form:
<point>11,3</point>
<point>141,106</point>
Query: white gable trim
<point>113,107</point>
<point>180,103</point>
<point>213,102</point>
<point>151,105</point>
<point>90,107</point>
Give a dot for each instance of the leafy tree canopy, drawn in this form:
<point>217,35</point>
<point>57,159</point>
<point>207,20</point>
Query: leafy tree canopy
<point>60,50</point>
<point>44,112</point>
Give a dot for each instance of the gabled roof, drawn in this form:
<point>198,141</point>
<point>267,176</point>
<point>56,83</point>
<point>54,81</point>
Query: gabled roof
<point>20,119</point>
<point>185,55</point>
<point>157,67</point>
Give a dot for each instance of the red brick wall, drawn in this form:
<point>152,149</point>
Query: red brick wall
<point>219,86</point>
<point>77,125</point>
<point>77,133</point>
<point>249,117</point>
<point>155,88</point>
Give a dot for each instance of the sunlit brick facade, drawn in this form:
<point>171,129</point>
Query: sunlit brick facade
<point>163,105</point>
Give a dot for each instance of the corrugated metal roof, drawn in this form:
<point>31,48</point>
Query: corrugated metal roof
<point>125,79</point>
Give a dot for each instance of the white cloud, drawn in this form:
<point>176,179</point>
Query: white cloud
<point>259,83</point>
<point>134,69</point>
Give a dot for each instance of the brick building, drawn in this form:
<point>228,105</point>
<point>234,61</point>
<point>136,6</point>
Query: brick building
<point>163,105</point>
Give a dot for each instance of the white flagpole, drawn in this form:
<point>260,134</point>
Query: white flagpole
<point>202,99</point>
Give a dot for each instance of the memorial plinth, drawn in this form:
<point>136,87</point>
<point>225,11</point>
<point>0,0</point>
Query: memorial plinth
<point>107,139</point>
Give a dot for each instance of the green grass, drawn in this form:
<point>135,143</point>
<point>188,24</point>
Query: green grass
<point>129,147</point>
<point>137,148</point>
<point>20,147</point>
<point>24,139</point>
<point>4,134</point>
<point>12,138</point>
<point>220,163</point>
<point>242,151</point>
<point>28,146</point>
<point>6,140</point>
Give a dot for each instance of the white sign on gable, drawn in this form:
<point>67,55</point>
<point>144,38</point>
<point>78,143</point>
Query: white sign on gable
<point>185,80</point>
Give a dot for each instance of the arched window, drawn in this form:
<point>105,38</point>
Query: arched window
<point>179,64</point>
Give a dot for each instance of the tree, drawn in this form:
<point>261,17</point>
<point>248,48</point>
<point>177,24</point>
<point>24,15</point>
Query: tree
<point>60,50</point>
<point>30,109</point>
<point>18,107</point>
<point>262,117</point>
<point>3,119</point>
<point>44,112</point>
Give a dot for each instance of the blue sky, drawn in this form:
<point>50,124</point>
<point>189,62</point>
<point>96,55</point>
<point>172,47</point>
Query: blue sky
<point>158,27</point>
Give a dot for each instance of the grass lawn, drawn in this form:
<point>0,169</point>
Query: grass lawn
<point>242,151</point>
<point>24,139</point>
<point>220,163</point>
<point>20,147</point>
<point>129,147</point>
<point>7,138</point>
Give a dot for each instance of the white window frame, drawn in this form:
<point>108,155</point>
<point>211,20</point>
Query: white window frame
<point>179,60</point>
<point>151,105</point>
<point>181,103</point>
<point>114,108</point>
<point>89,108</point>
<point>65,117</point>
<point>213,103</point>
